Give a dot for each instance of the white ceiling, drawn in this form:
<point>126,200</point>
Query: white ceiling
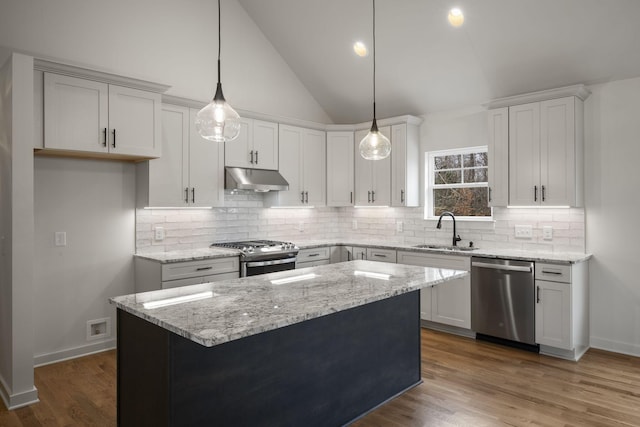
<point>506,47</point>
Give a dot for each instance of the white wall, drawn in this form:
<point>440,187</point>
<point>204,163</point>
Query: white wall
<point>612,159</point>
<point>168,41</point>
<point>94,203</point>
<point>16,232</point>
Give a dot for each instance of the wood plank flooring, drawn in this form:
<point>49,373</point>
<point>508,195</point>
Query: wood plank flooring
<point>466,383</point>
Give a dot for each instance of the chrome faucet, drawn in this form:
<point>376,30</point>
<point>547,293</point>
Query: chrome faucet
<point>456,238</point>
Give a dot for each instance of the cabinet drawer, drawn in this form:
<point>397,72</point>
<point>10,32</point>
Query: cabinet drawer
<point>454,262</point>
<point>315,254</point>
<point>219,277</point>
<point>313,263</point>
<point>382,255</point>
<point>185,270</point>
<point>553,272</point>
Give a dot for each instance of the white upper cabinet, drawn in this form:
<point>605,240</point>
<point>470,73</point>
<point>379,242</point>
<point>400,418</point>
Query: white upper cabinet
<point>302,160</point>
<point>255,148</point>
<point>544,151</point>
<point>373,177</point>
<point>88,116</point>
<point>340,168</point>
<point>499,157</point>
<point>190,171</point>
<point>405,141</point>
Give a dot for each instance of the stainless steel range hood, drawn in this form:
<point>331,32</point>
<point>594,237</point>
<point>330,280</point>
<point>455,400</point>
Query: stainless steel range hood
<point>254,179</point>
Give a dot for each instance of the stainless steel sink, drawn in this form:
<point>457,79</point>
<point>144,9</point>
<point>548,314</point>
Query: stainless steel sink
<point>446,247</point>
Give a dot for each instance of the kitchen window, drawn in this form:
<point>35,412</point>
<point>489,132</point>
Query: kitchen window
<point>457,181</point>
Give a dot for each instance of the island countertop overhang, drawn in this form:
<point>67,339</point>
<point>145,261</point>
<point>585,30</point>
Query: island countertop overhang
<point>238,308</point>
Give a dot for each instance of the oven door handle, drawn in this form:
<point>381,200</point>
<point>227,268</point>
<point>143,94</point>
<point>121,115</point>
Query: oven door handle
<point>272,262</point>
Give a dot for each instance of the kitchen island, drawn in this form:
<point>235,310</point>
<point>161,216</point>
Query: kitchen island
<point>314,346</point>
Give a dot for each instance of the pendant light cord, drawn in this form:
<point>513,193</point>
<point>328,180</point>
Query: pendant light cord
<point>374,60</point>
<point>219,41</point>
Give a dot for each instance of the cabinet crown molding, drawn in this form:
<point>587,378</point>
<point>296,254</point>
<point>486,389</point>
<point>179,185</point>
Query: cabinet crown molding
<point>98,76</point>
<point>579,91</point>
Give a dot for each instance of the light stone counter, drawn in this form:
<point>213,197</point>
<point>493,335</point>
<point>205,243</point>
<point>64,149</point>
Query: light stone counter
<point>243,307</point>
<point>538,256</point>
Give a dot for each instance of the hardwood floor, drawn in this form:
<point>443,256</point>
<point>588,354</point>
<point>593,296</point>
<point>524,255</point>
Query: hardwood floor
<point>466,383</point>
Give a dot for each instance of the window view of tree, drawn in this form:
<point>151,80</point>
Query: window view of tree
<point>459,182</point>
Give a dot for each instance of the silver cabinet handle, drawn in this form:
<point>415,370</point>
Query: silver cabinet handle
<point>186,195</point>
<point>251,154</point>
<point>256,157</point>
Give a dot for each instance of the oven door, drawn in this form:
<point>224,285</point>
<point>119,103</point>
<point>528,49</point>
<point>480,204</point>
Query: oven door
<point>252,268</point>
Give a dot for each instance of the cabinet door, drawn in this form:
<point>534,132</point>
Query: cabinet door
<point>206,168</point>
<point>237,152</point>
<point>265,145</point>
<point>553,314</point>
<point>340,168</point>
<point>557,152</point>
<point>524,155</point>
<point>134,122</point>
<point>356,253</point>
<point>76,114</point>
<point>451,303</point>
<point>364,173</point>
<point>168,175</point>
<point>314,170</point>
<point>381,176</point>
<point>290,160</point>
<point>499,157</point>
<point>405,165</point>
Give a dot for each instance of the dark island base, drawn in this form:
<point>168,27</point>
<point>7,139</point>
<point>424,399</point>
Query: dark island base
<point>327,371</point>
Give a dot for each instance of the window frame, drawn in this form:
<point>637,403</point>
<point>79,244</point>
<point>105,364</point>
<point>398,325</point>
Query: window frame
<point>430,185</point>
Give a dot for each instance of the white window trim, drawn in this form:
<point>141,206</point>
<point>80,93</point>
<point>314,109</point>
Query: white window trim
<point>429,182</point>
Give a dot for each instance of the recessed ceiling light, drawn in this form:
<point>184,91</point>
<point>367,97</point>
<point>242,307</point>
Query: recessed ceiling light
<point>360,49</point>
<point>456,17</point>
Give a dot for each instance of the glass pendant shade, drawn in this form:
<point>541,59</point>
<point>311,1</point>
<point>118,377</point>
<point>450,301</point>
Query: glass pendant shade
<point>217,121</point>
<point>375,146</point>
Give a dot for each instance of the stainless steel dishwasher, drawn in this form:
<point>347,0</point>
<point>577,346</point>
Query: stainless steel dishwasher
<point>503,300</point>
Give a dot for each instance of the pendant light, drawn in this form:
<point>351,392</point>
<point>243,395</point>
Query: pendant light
<point>218,121</point>
<point>374,146</point>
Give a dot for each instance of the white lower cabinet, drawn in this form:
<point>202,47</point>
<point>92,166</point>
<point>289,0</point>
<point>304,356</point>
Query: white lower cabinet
<point>448,303</point>
<point>314,257</point>
<point>153,275</point>
<point>562,307</point>
<point>351,253</point>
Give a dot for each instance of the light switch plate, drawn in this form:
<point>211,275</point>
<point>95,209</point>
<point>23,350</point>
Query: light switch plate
<point>60,238</point>
<point>547,232</point>
<point>524,231</point>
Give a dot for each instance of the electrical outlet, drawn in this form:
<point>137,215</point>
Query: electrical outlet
<point>159,235</point>
<point>547,232</point>
<point>60,238</point>
<point>354,224</point>
<point>399,226</point>
<point>524,231</point>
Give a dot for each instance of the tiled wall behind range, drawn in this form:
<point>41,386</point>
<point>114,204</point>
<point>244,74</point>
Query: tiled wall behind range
<point>244,217</point>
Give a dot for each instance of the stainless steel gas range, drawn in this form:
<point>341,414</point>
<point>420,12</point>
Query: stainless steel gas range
<point>263,256</point>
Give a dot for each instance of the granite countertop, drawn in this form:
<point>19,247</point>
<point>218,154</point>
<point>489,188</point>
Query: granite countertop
<point>243,307</point>
<point>211,253</point>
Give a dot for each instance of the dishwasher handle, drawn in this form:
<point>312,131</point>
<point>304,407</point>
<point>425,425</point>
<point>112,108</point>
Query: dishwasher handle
<point>501,267</point>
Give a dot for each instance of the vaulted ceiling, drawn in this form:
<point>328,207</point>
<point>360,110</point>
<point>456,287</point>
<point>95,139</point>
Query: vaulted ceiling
<point>505,47</point>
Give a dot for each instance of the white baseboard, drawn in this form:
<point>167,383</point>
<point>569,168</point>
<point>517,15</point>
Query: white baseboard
<point>17,400</point>
<point>72,353</point>
<point>615,346</point>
